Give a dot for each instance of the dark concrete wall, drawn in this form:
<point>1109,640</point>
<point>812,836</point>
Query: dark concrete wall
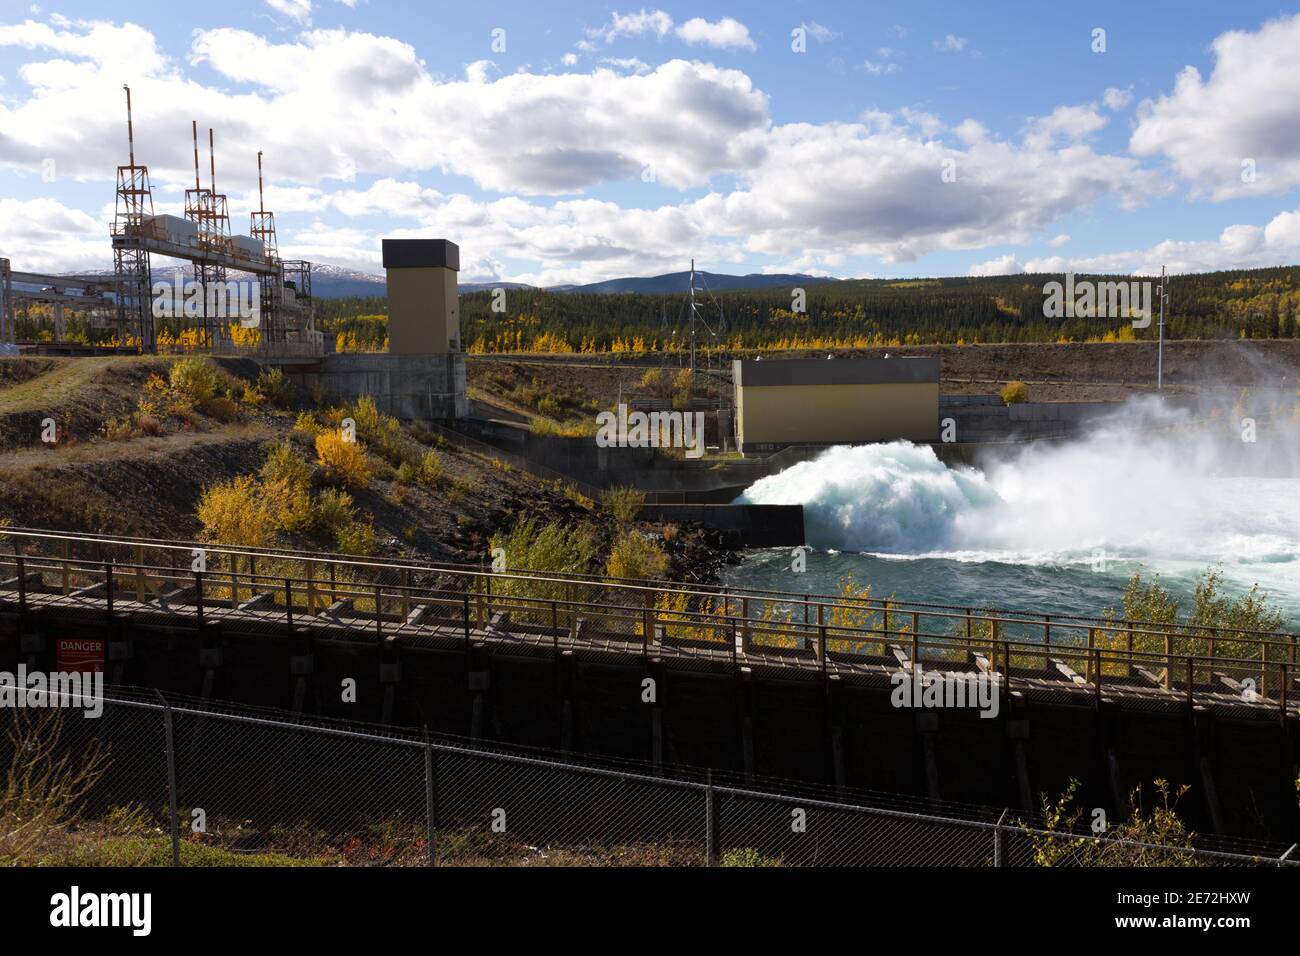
<point>410,387</point>
<point>776,722</point>
<point>756,526</point>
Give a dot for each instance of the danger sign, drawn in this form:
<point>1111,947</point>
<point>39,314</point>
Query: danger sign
<point>79,654</point>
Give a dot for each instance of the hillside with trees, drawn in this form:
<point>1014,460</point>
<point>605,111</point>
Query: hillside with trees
<point>1260,303</point>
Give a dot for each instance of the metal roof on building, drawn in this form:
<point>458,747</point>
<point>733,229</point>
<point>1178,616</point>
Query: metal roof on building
<point>837,371</point>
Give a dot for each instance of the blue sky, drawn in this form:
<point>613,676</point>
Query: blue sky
<point>576,142</point>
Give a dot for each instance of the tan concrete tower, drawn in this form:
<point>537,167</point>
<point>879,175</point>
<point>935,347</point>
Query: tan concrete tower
<point>423,303</point>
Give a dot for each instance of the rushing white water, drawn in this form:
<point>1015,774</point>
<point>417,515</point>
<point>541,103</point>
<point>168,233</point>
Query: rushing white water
<point>1176,491</point>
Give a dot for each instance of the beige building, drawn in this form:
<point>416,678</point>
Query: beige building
<point>423,300</point>
<point>835,401</point>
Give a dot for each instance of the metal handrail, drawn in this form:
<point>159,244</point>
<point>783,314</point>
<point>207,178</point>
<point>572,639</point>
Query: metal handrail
<point>818,637</point>
<point>809,602</point>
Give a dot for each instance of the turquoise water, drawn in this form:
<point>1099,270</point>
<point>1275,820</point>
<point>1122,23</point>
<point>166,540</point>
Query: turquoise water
<point>1048,588</point>
<point>1057,528</point>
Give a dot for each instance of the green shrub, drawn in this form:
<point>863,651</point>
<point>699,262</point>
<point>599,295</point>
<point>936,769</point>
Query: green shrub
<point>746,856</point>
<point>431,468</point>
<point>623,504</point>
<point>357,538</point>
<point>633,555</point>
<point>272,384</point>
<point>283,463</point>
<point>193,379</point>
<point>334,510</point>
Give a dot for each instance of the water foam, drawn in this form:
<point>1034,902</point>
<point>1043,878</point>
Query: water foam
<point>1138,487</point>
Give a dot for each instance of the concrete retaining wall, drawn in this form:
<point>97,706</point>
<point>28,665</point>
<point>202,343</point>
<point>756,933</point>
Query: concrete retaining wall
<point>410,387</point>
<point>775,721</point>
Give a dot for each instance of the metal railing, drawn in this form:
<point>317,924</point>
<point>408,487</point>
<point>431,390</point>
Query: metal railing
<point>209,775</point>
<point>1043,653</point>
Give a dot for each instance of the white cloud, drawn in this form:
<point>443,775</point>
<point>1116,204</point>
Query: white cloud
<point>1249,109</point>
<point>1001,266</point>
<point>524,132</point>
<point>630,63</point>
<point>1117,99</point>
<point>569,59</point>
<point>1057,241</point>
<point>727,33</point>
<point>1064,124</point>
<point>879,69</point>
<point>820,33</point>
<point>50,237</point>
<point>297,10</point>
<point>816,194</point>
<point>951,44</point>
<point>1239,246</point>
<point>633,24</point>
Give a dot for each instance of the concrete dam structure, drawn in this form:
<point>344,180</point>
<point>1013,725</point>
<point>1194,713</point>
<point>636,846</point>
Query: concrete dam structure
<point>752,683</point>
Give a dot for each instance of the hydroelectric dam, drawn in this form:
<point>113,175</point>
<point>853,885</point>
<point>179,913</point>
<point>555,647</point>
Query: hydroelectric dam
<point>758,683</point>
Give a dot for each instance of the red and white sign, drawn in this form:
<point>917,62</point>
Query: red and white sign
<point>79,654</point>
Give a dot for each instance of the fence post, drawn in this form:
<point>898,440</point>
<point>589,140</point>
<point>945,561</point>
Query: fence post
<point>466,620</point>
<point>710,850</point>
<point>22,580</point>
<point>997,840</point>
<point>288,605</point>
<point>108,590</point>
<point>198,598</point>
<point>170,748</point>
<point>430,800</point>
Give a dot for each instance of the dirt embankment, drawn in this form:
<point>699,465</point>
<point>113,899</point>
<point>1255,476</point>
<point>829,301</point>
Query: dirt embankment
<point>151,484</point>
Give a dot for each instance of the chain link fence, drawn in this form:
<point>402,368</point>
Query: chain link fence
<point>172,780</point>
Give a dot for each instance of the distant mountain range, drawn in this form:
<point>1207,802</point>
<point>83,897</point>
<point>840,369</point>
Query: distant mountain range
<point>335,282</point>
<point>332,282</point>
<point>680,282</point>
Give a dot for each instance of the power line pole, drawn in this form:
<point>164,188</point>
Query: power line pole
<point>692,319</point>
<point>1160,347</point>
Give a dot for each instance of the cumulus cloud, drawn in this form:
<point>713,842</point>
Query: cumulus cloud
<point>951,44</point>
<point>817,194</point>
<point>1239,246</point>
<point>525,132</point>
<point>1117,99</point>
<point>1248,109</point>
<point>1064,124</point>
<point>296,10</point>
<point>727,33</point>
<point>640,23</point>
<point>51,236</point>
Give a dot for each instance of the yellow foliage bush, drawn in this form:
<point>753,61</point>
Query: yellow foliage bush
<point>235,512</point>
<point>345,460</point>
<point>1014,393</point>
